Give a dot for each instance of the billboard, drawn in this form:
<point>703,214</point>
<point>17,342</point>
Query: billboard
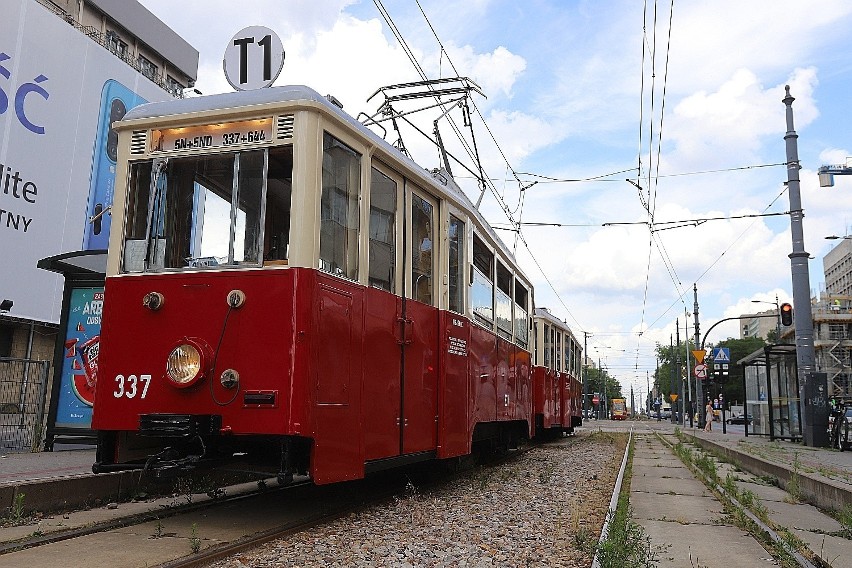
<point>59,91</point>
<point>80,358</point>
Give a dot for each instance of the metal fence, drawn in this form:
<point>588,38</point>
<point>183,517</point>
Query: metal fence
<point>23,390</point>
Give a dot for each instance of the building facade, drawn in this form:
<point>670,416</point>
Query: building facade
<point>136,36</point>
<point>837,265</point>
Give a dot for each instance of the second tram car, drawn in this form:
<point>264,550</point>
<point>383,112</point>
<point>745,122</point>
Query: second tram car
<point>285,286</point>
<point>556,376</point>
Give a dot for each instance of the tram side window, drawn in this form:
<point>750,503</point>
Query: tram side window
<point>548,347</point>
<point>569,352</point>
<point>422,264</point>
<point>503,301</point>
<point>522,330</point>
<point>559,350</point>
<point>552,347</point>
<point>279,191</point>
<point>339,219</point>
<point>456,264</point>
<point>382,231</point>
<point>482,287</point>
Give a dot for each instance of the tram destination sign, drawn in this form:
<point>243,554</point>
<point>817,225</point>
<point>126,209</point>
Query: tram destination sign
<point>225,134</point>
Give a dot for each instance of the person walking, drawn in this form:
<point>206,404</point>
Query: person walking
<point>708,422</point>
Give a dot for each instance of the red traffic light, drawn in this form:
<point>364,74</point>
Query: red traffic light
<point>786,314</point>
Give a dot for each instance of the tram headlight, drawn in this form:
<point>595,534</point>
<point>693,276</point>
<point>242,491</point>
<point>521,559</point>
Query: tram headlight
<point>185,364</point>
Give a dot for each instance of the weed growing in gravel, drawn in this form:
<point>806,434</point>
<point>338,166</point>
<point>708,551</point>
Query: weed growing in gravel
<point>194,541</point>
<point>730,485</point>
<point>16,510</point>
<point>844,517</point>
<point>793,486</point>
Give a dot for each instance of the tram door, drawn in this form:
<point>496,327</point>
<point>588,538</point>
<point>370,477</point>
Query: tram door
<point>399,402</point>
<point>420,315</point>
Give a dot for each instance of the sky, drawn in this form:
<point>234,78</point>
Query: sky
<point>683,99</point>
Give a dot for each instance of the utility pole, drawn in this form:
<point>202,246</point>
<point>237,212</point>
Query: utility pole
<point>583,368</point>
<point>699,390</point>
<point>648,386</point>
<point>677,366</point>
<point>805,356</point>
<point>687,403</point>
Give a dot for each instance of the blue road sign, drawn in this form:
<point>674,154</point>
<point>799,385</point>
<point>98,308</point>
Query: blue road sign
<point>722,355</point>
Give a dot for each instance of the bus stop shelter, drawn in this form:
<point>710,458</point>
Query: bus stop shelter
<point>771,386</point>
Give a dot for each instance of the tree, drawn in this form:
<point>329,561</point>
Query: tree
<point>600,381</point>
<point>733,387</point>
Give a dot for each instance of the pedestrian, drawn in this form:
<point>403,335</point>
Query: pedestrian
<point>708,422</point>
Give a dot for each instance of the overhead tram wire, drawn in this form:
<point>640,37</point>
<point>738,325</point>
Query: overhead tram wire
<point>500,201</point>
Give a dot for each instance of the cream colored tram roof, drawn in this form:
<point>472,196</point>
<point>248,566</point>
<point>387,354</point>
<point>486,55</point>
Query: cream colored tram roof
<point>238,101</point>
<point>546,315</point>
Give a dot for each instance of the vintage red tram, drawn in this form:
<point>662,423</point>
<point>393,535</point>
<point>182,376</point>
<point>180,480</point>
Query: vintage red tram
<point>285,286</point>
<point>556,376</point>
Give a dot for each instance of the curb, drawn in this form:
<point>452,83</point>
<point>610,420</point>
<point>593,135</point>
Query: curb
<point>66,493</point>
<point>823,493</point>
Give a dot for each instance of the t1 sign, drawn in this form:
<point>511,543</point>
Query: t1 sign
<point>253,58</point>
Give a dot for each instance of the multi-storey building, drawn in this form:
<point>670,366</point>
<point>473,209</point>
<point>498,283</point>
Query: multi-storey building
<point>837,265</point>
<point>136,36</point>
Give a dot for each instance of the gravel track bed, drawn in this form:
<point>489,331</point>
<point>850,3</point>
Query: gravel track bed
<point>537,510</point>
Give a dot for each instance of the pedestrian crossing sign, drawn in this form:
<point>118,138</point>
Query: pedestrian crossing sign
<point>722,355</point>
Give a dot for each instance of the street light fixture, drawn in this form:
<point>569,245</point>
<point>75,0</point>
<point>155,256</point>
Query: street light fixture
<point>777,314</point>
<point>6,305</point>
<point>835,237</point>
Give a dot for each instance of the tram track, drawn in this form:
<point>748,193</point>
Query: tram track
<point>168,537</point>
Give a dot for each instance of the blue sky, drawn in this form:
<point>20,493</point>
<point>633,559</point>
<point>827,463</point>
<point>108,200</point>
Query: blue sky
<point>571,94</point>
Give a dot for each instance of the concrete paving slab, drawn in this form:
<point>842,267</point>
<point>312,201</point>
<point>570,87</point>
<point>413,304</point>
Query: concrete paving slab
<point>682,508</point>
<point>669,486</point>
<point>763,491</point>
<point>800,516</point>
<point>707,547</point>
<point>836,551</point>
<point>660,461</point>
<point>669,473</point>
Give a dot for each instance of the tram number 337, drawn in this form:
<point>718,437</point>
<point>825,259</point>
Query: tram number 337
<point>131,386</point>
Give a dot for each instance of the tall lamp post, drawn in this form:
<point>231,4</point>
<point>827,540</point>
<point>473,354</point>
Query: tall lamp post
<point>803,317</point>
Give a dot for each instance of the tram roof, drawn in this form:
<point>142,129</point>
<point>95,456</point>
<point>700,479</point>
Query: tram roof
<point>293,93</point>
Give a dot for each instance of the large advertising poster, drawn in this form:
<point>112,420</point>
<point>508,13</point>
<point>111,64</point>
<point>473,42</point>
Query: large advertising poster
<point>59,92</point>
<point>80,360</point>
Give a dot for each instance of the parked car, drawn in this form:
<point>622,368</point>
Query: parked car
<point>740,419</point>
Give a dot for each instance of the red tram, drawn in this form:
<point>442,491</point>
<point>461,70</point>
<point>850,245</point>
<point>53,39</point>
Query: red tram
<point>285,286</point>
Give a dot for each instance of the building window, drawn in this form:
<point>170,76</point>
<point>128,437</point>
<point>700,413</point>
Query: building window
<point>173,86</point>
<point>115,44</point>
<point>147,68</point>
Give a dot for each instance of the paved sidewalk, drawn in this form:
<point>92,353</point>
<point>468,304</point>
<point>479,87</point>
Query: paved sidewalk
<point>685,522</point>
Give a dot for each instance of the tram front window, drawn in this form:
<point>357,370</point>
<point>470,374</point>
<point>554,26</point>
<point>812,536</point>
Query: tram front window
<point>208,210</point>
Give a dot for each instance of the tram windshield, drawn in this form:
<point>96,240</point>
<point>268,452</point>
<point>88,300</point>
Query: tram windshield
<point>207,211</point>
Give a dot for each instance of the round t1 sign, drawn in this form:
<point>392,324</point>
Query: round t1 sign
<point>253,59</point>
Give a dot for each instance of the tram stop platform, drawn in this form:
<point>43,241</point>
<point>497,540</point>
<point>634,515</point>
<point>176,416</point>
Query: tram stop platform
<point>689,526</point>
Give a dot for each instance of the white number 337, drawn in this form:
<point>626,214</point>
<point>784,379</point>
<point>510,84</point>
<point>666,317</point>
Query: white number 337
<point>131,386</point>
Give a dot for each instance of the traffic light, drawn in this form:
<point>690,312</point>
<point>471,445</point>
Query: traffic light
<point>786,314</point>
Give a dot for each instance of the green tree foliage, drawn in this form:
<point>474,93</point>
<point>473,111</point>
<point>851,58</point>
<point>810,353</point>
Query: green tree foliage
<point>674,357</point>
<point>596,379</point>
<point>733,387</point>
